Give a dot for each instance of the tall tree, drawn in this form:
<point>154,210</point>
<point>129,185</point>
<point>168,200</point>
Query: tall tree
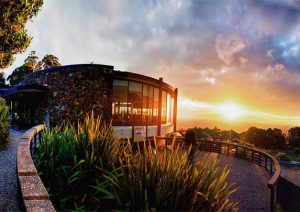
<point>18,74</point>
<point>294,137</point>
<point>2,78</point>
<point>50,60</point>
<point>13,36</point>
<point>33,62</point>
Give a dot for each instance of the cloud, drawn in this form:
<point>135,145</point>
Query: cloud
<point>227,46</point>
<point>243,60</point>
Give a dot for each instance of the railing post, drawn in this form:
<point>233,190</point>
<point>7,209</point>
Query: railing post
<point>272,200</point>
<point>266,164</point>
<point>271,168</point>
<point>259,159</point>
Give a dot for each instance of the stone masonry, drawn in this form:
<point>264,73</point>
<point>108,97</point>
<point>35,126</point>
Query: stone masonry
<point>73,91</point>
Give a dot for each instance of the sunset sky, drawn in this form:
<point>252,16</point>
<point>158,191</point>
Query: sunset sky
<point>236,63</point>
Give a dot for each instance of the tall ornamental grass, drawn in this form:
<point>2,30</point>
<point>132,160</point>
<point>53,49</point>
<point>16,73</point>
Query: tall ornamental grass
<point>88,168</point>
<point>4,123</point>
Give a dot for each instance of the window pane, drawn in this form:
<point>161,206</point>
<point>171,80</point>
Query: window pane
<point>164,107</point>
<point>147,103</point>
<point>155,106</point>
<point>169,108</point>
<point>135,97</point>
<point>119,105</point>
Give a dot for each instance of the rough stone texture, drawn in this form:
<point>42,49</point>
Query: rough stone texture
<point>73,91</point>
<point>8,180</point>
<point>33,192</point>
<point>24,162</point>
<point>251,180</point>
<point>39,206</point>
<point>32,188</point>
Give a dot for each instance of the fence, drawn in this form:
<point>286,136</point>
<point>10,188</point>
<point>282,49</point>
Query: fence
<point>250,154</point>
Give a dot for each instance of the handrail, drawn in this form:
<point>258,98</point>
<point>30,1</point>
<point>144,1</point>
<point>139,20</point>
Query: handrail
<point>34,193</point>
<point>247,153</point>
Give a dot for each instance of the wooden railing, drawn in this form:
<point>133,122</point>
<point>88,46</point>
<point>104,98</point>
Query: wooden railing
<point>250,154</point>
<point>34,193</point>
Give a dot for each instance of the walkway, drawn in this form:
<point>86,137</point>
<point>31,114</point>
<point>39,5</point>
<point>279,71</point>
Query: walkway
<point>251,180</point>
<point>8,179</point>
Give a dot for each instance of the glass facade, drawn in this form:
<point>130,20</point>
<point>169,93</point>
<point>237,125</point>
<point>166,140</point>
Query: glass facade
<point>135,101</point>
<point>138,104</point>
<point>120,101</point>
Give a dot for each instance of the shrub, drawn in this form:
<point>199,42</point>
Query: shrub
<point>190,137</point>
<point>297,151</point>
<point>167,181</point>
<point>282,157</point>
<point>88,168</point>
<point>4,123</point>
<point>71,159</point>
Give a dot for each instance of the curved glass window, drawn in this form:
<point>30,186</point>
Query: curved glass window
<point>119,105</point>
<point>135,99</point>
<point>164,107</point>
<point>155,105</point>
<point>138,104</point>
<point>147,103</point>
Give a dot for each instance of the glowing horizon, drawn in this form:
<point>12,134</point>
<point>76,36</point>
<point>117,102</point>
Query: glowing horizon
<point>232,114</point>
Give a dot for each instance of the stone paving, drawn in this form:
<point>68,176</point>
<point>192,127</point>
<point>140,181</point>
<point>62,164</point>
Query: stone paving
<point>251,180</point>
<point>8,180</point>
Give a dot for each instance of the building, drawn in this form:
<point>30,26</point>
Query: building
<point>139,106</point>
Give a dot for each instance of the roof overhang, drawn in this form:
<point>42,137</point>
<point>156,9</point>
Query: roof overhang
<point>30,89</point>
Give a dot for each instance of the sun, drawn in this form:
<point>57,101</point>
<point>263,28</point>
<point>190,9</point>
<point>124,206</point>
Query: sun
<point>230,110</point>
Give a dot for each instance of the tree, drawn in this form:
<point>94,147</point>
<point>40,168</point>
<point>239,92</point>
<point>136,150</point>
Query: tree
<point>270,138</point>
<point>294,137</point>
<point>2,78</point>
<point>31,64</point>
<point>49,61</point>
<point>13,36</point>
<point>32,61</point>
<point>18,74</point>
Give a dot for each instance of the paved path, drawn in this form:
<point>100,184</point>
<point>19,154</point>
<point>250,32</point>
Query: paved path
<point>291,174</point>
<point>8,179</point>
<point>251,180</point>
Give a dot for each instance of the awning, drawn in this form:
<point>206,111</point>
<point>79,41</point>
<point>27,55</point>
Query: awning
<point>31,88</point>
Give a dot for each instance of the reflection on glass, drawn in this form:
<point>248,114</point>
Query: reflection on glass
<point>155,105</point>
<point>169,108</point>
<point>164,107</point>
<point>135,98</point>
<point>147,103</point>
<point>119,106</point>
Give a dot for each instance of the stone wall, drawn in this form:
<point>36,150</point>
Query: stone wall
<point>74,91</point>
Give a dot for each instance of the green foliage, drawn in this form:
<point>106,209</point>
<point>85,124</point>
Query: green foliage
<point>215,133</point>
<point>294,137</point>
<point>153,180</point>
<point>18,74</point>
<point>283,157</point>
<point>88,168</point>
<point>4,123</point>
<point>49,61</point>
<point>31,64</point>
<point>297,151</point>
<point>2,78</point>
<point>70,160</point>
<point>13,36</point>
<point>268,139</point>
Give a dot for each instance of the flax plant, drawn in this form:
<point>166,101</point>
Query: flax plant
<point>88,168</point>
<point>154,180</point>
